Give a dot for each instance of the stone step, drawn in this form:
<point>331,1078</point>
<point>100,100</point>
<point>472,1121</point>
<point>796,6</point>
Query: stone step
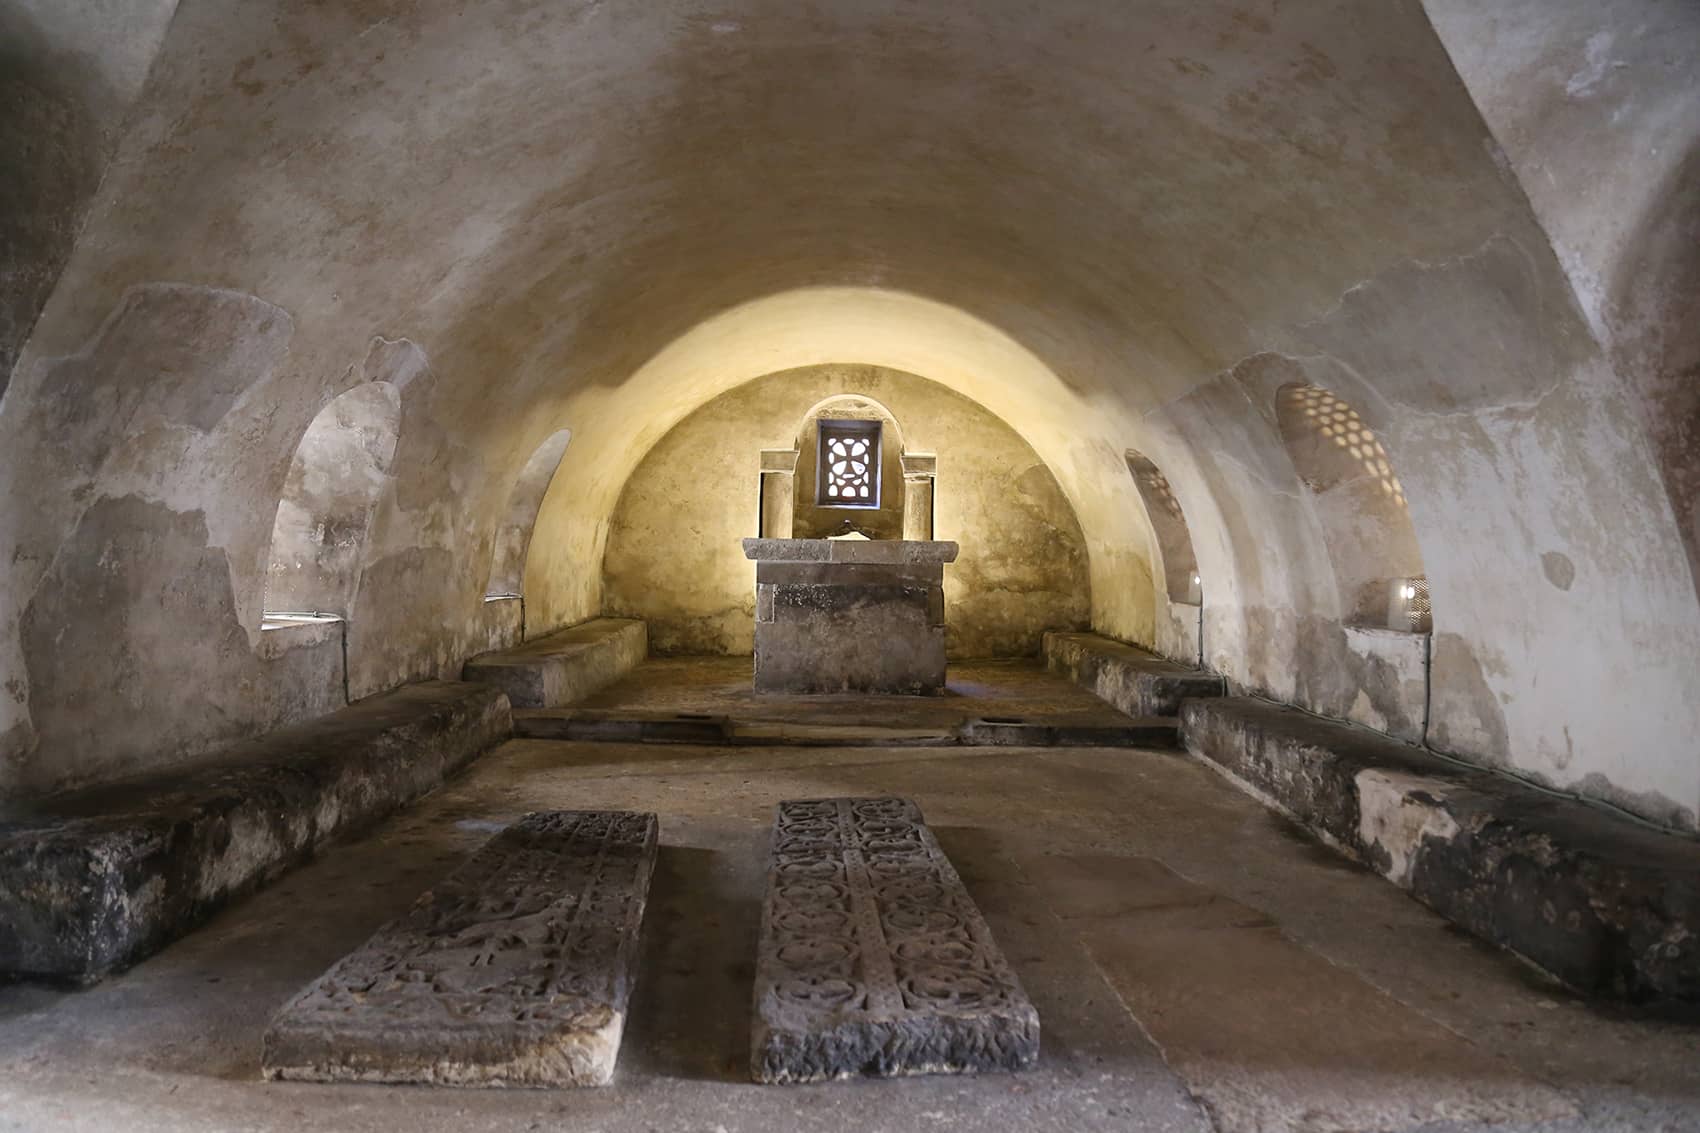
<point>873,959</point>
<point>566,666</point>
<point>94,880</point>
<point>1137,682</point>
<point>614,726</point>
<point>1605,904</point>
<point>515,970</point>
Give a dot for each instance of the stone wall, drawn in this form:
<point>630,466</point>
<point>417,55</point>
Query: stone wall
<point>674,557</point>
<point>601,218</point>
<point>69,70</point>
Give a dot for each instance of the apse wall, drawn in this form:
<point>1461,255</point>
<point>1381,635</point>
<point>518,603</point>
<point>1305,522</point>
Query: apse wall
<point>674,557</point>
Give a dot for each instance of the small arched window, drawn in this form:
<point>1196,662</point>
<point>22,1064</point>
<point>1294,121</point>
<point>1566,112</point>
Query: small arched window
<point>1360,503</point>
<point>1168,523</point>
<point>338,473</point>
<point>513,537</point>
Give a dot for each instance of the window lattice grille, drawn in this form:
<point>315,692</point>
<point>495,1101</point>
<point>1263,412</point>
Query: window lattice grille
<point>1340,425</point>
<point>1422,614</point>
<point>849,463</point>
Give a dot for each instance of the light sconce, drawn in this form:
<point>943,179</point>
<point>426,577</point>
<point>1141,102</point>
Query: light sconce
<point>1407,591</point>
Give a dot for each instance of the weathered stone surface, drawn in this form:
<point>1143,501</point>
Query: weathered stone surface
<point>873,958</point>
<point>1135,681</point>
<point>513,971</point>
<point>565,666</point>
<point>95,880</point>
<point>1607,905</point>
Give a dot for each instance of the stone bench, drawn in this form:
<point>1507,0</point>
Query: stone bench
<point>514,970</point>
<point>873,959</point>
<point>94,880</point>
<point>1131,679</point>
<point>566,666</point>
<point>1605,904</point>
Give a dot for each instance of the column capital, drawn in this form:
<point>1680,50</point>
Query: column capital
<point>779,460</point>
<point>920,465</point>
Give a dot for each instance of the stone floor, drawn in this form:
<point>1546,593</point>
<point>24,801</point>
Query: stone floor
<point>1197,965</point>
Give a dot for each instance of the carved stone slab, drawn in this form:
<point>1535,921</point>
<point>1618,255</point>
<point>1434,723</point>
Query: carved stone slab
<point>513,971</point>
<point>873,959</point>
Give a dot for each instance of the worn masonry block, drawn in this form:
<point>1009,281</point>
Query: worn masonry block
<point>515,970</point>
<point>873,959</point>
<point>1609,906</point>
<point>93,880</point>
<point>566,666</point>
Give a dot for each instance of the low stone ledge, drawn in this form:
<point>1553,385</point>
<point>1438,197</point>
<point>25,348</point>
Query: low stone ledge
<point>566,666</point>
<point>873,958</point>
<point>1131,679</point>
<point>515,970</point>
<point>94,880</point>
<point>1606,905</point>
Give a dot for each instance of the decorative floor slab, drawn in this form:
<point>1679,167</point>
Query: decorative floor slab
<point>873,959</point>
<point>513,971</point>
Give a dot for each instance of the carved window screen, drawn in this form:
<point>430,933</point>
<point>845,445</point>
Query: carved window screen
<point>848,470</point>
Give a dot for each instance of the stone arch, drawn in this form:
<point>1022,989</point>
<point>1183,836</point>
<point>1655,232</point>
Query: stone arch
<point>1655,312</point>
<point>1168,524</point>
<point>335,480</point>
<point>513,537</point>
<point>1378,566</point>
<point>812,519</point>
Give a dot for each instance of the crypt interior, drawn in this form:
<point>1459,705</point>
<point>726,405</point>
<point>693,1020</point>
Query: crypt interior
<point>850,565</point>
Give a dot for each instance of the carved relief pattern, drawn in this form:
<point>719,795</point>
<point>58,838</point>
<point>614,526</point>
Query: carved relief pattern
<point>866,916</point>
<point>534,928</point>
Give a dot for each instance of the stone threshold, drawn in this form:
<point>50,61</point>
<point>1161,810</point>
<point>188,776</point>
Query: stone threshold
<point>1605,905</point>
<point>612,726</point>
<point>92,881</point>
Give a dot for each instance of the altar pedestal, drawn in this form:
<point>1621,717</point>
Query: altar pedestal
<point>835,615</point>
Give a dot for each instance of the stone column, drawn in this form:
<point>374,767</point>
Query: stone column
<point>918,476</point>
<point>778,472</point>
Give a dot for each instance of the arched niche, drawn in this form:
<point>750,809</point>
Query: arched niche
<point>335,479</point>
<point>815,517</point>
<point>1378,566</point>
<point>513,537</point>
<point>1168,523</point>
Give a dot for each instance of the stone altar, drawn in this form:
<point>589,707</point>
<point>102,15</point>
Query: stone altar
<point>850,616</point>
<point>873,958</point>
<point>512,971</point>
